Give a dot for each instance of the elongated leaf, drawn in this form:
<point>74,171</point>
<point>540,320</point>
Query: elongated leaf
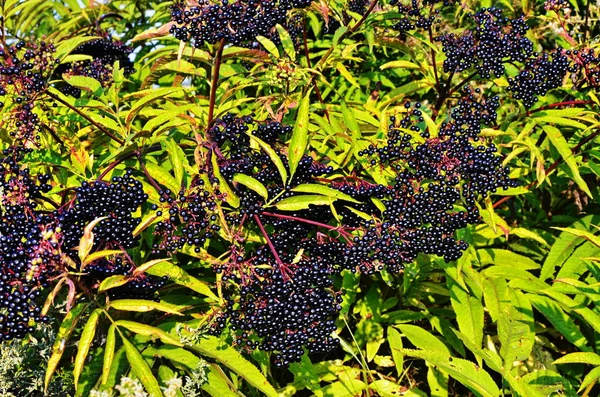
<point>109,353</point>
<point>490,357</point>
<point>324,191</point>
<point>591,318</point>
<point>590,378</point>
<point>148,96</point>
<point>273,156</point>
<point>231,358</point>
<point>62,337</point>
<point>592,238</point>
<point>286,42</point>
<point>87,239</point>
<point>350,121</point>
<point>469,374</point>
<point>230,197</point>
<point>177,160</point>
<point>84,83</point>
<point>83,347</point>
<point>297,203</point>
<point>469,312</point>
<point>148,330</point>
<point>495,294</point>
<point>501,257</point>
<point>252,184</point>
<point>113,282</point>
<point>269,46</point>
<point>299,140</point>
<point>395,341</point>
<point>140,305</point>
<point>516,340</point>
<point>560,143</point>
<point>140,368</point>
<point>579,358</point>
<point>181,277</point>
<point>99,255</point>
<point>422,338</point>
<point>163,177</point>
<point>560,320</point>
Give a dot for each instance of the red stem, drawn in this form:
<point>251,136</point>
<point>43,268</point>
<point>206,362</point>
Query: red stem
<point>214,83</point>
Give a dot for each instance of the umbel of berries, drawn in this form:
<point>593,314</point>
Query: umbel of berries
<point>237,22</point>
<point>104,51</point>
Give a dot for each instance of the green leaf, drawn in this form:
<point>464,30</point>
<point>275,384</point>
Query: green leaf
<point>163,177</point>
<point>98,255</point>
<point>181,277</point>
<point>286,42</point>
<point>141,370</point>
<point>212,347</point>
<point>273,156</point>
<point>395,341</point>
<point>148,330</point>
<point>469,374</point>
<point>269,46</point>
<point>177,160</point>
<point>86,242</point>
<point>469,313</point>
<point>560,321</point>
<point>140,305</point>
<point>299,140</point>
<point>516,340</point>
<point>350,121</point>
<point>560,143</point>
<point>83,347</point>
<point>422,338</point>
<point>490,357</point>
<point>148,96</point>
<point>400,64</point>
<point>252,184</point>
<point>112,282</point>
<point>579,358</point>
<point>590,378</point>
<point>84,83</point>
<point>62,337</point>
<point>324,191</point>
<point>230,197</point>
<point>65,47</point>
<point>297,203</point>
<point>109,353</point>
<point>501,257</point>
<point>592,238</point>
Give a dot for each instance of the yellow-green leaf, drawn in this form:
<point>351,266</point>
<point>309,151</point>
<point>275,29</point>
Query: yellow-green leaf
<point>85,341</point>
<point>140,368</point>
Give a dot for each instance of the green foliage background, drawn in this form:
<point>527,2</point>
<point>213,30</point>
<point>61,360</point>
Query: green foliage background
<point>518,314</point>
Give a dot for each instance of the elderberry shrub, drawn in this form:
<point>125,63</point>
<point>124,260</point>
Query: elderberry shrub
<point>104,52</point>
<point>493,41</point>
<point>237,22</point>
<point>25,68</point>
<point>585,67</point>
<point>539,76</point>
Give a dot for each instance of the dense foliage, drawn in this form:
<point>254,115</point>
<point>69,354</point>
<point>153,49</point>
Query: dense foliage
<point>281,197</point>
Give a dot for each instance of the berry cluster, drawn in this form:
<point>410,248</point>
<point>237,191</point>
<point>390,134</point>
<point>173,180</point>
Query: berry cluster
<point>540,75</point>
<point>494,41</point>
<point>24,70</point>
<point>189,218</point>
<point>586,67</point>
<point>104,52</point>
<point>358,6</point>
<point>29,246</point>
<point>415,14</point>
<point>237,22</point>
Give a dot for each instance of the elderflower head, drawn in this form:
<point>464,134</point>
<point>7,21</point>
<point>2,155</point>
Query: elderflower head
<point>131,388</point>
<point>173,385</point>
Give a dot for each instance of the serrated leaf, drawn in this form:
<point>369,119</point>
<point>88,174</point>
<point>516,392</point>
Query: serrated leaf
<point>113,282</point>
<point>212,347</point>
<point>181,277</point>
<point>297,203</point>
<point>273,156</point>
<point>324,191</point>
<point>163,177</point>
<point>502,257</point>
<point>592,238</point>
<point>177,160</point>
<point>516,340</point>
<point>141,369</point>
<point>148,330</point>
<point>87,240</point>
<point>395,341</point>
<point>83,347</point>
<point>98,255</point>
<point>286,42</point>
<point>269,46</point>
<point>469,312</point>
<point>560,143</point>
<point>590,378</point>
<point>468,373</point>
<point>579,358</point>
<point>109,353</point>
<point>422,339</point>
<point>346,74</point>
<point>67,46</point>
<point>560,321</point>
<point>495,295</point>
<point>230,197</point>
<point>148,96</point>
<point>299,140</point>
<point>252,184</point>
<point>62,337</point>
<point>140,305</point>
<point>84,83</point>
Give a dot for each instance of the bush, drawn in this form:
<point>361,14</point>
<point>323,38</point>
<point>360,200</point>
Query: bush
<point>285,197</point>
